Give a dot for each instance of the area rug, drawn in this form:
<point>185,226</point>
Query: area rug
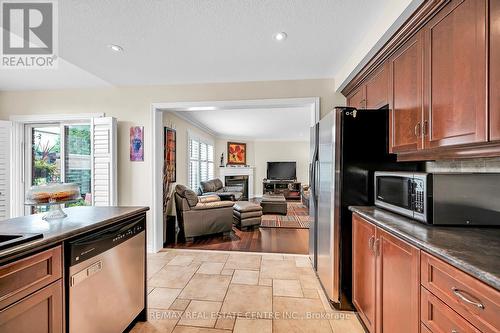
<point>297,218</point>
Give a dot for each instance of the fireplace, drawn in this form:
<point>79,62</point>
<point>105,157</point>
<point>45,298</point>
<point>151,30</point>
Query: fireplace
<point>238,181</point>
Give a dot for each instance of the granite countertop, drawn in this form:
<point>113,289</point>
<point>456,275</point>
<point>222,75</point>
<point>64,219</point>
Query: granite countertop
<point>473,250</point>
<point>79,221</point>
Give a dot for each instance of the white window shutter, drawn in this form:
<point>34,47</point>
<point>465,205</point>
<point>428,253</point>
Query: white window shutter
<point>104,162</point>
<point>5,160</point>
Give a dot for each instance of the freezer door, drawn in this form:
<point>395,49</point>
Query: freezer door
<point>328,257</point>
<point>313,195</point>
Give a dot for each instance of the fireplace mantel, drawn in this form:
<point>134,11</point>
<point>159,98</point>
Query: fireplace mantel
<point>239,171</point>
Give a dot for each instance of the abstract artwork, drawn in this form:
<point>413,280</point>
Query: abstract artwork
<point>236,153</point>
<point>137,143</point>
<point>170,154</point>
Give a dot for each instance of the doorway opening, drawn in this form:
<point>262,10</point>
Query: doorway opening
<point>205,133</point>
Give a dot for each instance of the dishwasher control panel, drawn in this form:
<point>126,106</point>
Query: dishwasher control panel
<point>94,243</point>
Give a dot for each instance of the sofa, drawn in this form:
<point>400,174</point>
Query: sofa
<point>215,186</point>
<point>201,215</point>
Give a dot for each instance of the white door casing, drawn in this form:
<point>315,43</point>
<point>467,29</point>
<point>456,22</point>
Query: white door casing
<point>5,169</point>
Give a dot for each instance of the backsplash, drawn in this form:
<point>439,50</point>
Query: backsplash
<point>490,165</point>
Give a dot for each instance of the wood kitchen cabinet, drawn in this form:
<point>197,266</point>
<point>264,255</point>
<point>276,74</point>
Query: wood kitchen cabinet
<point>31,294</point>
<point>40,312</point>
<point>357,98</point>
<point>455,72</point>
<point>494,70</point>
<point>364,270</point>
<point>376,89</point>
<point>398,287</point>
<point>405,96</point>
<point>385,279</point>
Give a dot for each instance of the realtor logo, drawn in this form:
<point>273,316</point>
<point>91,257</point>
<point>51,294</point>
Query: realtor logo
<point>29,37</point>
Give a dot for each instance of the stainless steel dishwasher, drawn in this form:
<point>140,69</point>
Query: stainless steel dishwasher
<point>107,278</point>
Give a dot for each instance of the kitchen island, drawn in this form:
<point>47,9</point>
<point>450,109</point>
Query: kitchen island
<point>35,279</point>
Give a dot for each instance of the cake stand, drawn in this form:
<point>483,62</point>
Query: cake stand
<point>55,208</point>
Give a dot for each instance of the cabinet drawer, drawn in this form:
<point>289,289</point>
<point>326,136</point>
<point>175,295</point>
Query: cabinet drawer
<point>24,276</point>
<point>439,318</point>
<point>472,299</point>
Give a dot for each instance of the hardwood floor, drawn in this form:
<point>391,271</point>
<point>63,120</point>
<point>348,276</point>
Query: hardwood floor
<point>277,240</point>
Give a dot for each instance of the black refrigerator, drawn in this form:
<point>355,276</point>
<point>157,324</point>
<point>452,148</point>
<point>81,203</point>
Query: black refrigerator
<point>347,147</point>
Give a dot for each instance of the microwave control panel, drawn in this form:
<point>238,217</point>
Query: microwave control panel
<point>419,195</point>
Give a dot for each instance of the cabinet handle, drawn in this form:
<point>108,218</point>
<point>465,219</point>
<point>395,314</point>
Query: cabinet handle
<point>418,129</point>
<point>376,246</point>
<point>370,243</point>
<point>460,294</point>
<point>425,129</point>
<point>454,331</point>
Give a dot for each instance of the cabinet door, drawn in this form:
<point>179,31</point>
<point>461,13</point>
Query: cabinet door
<point>494,70</point>
<point>405,96</point>
<point>377,88</point>
<point>363,270</point>
<point>398,287</point>
<point>40,312</point>
<point>357,98</point>
<point>455,75</point>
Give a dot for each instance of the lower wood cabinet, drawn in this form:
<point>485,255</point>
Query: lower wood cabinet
<point>400,288</point>
<point>40,312</point>
<point>385,279</point>
<point>31,293</point>
<point>364,271</point>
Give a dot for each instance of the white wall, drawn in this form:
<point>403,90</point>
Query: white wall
<point>182,128</point>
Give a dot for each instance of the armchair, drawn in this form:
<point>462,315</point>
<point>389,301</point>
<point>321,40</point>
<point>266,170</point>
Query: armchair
<point>204,215</point>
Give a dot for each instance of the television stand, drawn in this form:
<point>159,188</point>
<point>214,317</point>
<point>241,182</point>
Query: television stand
<point>289,188</point>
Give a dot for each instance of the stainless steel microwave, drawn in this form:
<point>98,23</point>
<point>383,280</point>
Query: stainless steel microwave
<point>441,198</point>
<point>406,193</point>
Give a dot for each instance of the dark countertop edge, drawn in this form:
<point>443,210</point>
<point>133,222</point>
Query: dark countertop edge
<point>9,254</point>
<point>484,276</point>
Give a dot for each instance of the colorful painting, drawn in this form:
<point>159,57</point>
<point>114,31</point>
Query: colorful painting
<point>170,154</point>
<point>236,153</point>
<point>137,143</point>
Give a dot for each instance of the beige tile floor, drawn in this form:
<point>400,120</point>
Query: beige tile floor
<point>192,291</point>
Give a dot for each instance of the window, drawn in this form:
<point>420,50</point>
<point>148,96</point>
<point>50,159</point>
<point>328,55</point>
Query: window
<point>201,161</point>
<point>60,153</point>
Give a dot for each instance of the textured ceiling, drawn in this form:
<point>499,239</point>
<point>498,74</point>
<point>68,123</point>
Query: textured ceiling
<point>189,41</point>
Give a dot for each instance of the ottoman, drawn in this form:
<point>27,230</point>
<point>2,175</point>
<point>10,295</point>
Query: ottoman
<point>246,214</point>
<point>274,204</point>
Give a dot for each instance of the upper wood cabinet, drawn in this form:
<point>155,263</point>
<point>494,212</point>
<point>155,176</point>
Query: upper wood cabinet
<point>376,90</point>
<point>363,270</point>
<point>405,96</point>
<point>357,98</point>
<point>495,70</point>
<point>455,75</point>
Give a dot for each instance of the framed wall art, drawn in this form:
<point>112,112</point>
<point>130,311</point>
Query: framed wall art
<point>170,141</point>
<point>137,143</point>
<point>236,153</point>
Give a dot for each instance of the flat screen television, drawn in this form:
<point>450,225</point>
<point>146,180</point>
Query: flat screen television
<point>281,170</point>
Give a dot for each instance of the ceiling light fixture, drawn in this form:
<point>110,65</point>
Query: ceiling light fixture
<point>202,108</point>
<point>280,36</point>
<point>115,48</point>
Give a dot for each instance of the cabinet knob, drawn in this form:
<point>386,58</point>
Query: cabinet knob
<point>376,247</point>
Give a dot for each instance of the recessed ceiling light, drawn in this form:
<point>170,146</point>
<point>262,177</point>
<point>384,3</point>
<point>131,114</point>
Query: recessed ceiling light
<point>280,36</point>
<point>116,48</point>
